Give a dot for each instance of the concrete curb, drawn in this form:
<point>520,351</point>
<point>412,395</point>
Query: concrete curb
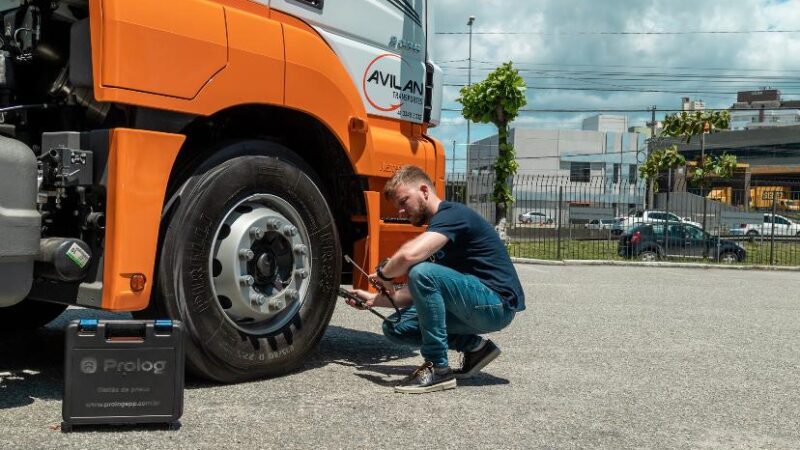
<point>674,265</point>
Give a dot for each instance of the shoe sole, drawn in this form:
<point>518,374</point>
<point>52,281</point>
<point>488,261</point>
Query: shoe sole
<point>450,384</point>
<point>485,362</point>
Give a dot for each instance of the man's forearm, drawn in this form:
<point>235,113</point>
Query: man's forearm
<point>402,298</point>
<point>416,250</point>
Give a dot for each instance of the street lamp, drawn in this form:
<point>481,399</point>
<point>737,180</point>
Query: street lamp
<point>469,81</point>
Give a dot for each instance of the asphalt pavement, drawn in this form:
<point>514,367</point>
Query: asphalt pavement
<point>604,357</point>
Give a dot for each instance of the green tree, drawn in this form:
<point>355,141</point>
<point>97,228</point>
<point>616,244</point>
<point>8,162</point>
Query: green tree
<point>497,100</point>
<point>687,125</point>
<point>659,161</point>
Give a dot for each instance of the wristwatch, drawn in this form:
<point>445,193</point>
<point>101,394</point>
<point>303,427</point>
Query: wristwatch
<point>383,277</point>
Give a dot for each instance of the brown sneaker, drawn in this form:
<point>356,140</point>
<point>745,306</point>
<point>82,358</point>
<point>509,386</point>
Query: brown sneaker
<point>477,360</point>
<point>427,378</point>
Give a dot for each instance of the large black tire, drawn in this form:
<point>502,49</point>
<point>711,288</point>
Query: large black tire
<point>233,339</point>
<point>29,315</point>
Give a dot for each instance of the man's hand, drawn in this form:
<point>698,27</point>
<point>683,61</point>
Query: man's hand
<point>381,284</point>
<point>366,297</point>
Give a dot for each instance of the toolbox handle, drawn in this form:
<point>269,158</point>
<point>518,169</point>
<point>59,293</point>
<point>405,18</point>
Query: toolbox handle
<point>126,331</point>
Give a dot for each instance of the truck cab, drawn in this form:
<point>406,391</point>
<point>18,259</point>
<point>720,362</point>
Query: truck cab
<point>209,161</point>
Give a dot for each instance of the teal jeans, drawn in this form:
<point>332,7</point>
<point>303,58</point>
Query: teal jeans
<point>450,310</point>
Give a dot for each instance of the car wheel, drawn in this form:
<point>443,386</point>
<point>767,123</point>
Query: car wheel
<point>250,263</point>
<point>728,258</point>
<point>649,256</point>
<point>29,315</point>
<point>752,235</point>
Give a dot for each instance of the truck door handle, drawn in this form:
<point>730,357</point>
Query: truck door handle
<point>313,3</point>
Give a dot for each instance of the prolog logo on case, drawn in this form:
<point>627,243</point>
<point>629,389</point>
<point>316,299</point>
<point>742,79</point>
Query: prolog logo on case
<point>88,365</point>
<point>384,86</point>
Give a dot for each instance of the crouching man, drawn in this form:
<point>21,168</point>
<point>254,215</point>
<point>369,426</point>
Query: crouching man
<point>461,284</point>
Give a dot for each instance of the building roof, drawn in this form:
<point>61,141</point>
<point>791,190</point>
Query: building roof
<point>742,138</point>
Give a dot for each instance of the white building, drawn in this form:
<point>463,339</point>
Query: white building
<point>602,165</point>
<point>606,123</point>
<point>692,105</point>
<point>763,109</point>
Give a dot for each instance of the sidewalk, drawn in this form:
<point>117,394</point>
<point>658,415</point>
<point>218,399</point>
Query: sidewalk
<point>596,262</point>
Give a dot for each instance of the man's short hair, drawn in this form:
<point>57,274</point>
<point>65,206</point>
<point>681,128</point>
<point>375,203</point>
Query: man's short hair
<point>407,175</point>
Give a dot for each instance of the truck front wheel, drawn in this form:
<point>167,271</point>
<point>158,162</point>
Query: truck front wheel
<point>250,262</point>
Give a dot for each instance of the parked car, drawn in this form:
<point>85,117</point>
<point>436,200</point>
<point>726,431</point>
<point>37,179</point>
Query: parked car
<point>656,216</point>
<point>535,217</point>
<point>783,227</point>
<point>601,224</point>
<point>649,242</point>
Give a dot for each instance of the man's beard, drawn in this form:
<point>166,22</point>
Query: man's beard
<point>420,219</point>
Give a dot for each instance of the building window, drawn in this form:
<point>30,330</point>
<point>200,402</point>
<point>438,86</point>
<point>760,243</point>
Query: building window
<point>633,173</point>
<point>617,170</point>
<point>579,172</point>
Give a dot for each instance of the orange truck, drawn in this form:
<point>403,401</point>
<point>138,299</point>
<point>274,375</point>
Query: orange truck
<point>209,161</point>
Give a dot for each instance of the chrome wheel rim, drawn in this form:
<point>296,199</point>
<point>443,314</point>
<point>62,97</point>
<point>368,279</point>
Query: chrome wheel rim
<point>261,264</point>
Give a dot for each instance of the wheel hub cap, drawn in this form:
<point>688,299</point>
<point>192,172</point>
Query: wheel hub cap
<point>260,264</point>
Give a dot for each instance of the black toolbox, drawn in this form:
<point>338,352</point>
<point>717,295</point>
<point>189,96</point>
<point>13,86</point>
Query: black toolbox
<point>123,372</point>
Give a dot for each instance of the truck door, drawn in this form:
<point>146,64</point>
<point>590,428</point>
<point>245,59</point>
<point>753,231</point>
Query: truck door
<point>381,44</point>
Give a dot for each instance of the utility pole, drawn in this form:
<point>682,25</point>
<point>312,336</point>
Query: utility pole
<point>652,123</point>
<point>650,147</point>
<point>703,187</point>
<point>469,81</point>
<point>453,169</point>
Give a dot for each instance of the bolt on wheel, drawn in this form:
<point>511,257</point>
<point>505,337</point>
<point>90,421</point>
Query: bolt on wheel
<point>261,263</point>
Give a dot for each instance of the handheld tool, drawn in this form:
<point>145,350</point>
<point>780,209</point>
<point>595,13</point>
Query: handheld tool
<point>347,295</point>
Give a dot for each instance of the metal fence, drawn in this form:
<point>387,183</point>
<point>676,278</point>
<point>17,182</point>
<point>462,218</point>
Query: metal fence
<point>564,217</point>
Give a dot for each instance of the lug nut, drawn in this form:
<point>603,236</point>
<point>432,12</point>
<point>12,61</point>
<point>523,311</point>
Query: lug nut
<point>276,304</point>
<point>289,231</point>
<point>272,224</point>
<point>258,299</point>
<point>257,232</point>
<point>290,295</point>
<point>246,254</point>
<point>300,249</point>
<point>247,280</point>
<point>302,273</point>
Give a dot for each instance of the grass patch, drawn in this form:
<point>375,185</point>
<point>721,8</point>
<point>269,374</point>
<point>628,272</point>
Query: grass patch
<point>758,253</point>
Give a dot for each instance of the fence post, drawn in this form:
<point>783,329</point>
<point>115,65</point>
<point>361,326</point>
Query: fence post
<point>558,224</point>
<point>772,234</point>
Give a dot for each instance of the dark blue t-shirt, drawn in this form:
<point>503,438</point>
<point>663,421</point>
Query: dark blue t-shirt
<point>474,248</point>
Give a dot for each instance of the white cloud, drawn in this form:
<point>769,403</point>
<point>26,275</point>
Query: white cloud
<point>648,62</point>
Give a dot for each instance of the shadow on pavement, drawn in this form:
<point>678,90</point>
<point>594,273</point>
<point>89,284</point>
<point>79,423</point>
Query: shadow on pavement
<point>32,363</point>
<point>369,352</point>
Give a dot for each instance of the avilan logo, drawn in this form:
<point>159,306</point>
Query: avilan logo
<point>384,89</point>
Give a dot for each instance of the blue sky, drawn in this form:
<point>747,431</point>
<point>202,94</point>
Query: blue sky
<point>573,55</point>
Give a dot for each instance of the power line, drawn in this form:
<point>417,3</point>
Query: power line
<point>727,69</point>
<point>614,33</point>
<point>615,89</point>
<point>629,110</point>
<point>641,76</point>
